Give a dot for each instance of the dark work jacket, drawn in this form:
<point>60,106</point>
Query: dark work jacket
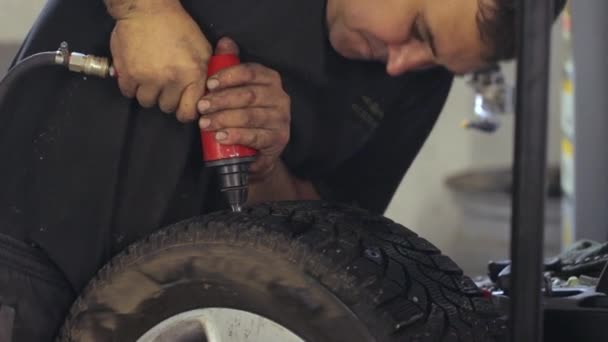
<point>84,171</point>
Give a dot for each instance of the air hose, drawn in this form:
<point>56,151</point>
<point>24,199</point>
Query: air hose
<point>24,67</point>
<point>74,61</point>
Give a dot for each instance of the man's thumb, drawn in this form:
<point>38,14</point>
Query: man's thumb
<point>226,46</point>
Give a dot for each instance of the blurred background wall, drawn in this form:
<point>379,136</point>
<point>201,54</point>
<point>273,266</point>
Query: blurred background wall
<point>423,202</point>
<point>16,16</point>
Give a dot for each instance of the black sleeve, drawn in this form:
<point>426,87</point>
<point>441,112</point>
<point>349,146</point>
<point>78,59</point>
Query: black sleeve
<point>370,178</point>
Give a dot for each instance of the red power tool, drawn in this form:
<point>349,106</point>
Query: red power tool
<point>231,161</point>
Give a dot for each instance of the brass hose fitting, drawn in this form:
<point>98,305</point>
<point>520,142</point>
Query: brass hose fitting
<point>86,64</point>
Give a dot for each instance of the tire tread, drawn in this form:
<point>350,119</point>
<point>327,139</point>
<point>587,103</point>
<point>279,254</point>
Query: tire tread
<point>421,294</point>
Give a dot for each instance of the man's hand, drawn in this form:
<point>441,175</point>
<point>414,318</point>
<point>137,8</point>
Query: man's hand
<point>246,105</point>
<point>160,55</point>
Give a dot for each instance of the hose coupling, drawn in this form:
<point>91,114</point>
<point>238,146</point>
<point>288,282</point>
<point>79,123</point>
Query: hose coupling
<point>86,64</point>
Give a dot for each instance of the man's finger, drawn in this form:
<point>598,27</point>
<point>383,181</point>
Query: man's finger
<point>256,138</point>
<point>170,98</point>
<point>226,46</point>
<point>127,86</point>
<point>255,117</point>
<point>261,166</point>
<point>235,98</point>
<point>147,95</point>
<point>187,111</point>
<point>242,74</point>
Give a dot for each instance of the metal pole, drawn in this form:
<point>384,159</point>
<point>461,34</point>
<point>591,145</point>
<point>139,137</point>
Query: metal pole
<point>534,34</point>
<point>590,47</point>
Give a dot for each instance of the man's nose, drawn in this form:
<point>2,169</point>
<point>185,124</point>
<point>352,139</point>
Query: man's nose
<point>406,57</point>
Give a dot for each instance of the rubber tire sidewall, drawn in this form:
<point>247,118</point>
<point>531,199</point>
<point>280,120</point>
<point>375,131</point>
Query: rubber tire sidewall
<point>181,278</point>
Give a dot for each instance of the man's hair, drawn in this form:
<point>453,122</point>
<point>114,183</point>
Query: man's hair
<point>496,25</point>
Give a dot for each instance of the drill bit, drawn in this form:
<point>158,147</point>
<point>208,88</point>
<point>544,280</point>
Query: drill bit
<point>234,179</point>
<point>237,197</point>
<point>236,208</point>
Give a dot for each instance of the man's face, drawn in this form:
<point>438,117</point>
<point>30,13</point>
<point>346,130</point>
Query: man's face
<point>407,34</point>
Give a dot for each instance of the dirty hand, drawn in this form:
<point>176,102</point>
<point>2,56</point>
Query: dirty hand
<point>160,55</point>
<point>246,105</point>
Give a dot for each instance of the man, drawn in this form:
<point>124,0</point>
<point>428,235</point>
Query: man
<point>161,54</point>
<point>338,96</point>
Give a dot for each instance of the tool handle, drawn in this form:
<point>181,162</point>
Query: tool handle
<point>213,150</point>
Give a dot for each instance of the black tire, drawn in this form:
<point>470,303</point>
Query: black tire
<point>326,272</point>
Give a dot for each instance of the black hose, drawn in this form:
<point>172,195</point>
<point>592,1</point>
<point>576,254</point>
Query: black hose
<point>15,75</point>
<point>22,68</point>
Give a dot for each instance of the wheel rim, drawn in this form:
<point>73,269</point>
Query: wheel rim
<point>219,325</point>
